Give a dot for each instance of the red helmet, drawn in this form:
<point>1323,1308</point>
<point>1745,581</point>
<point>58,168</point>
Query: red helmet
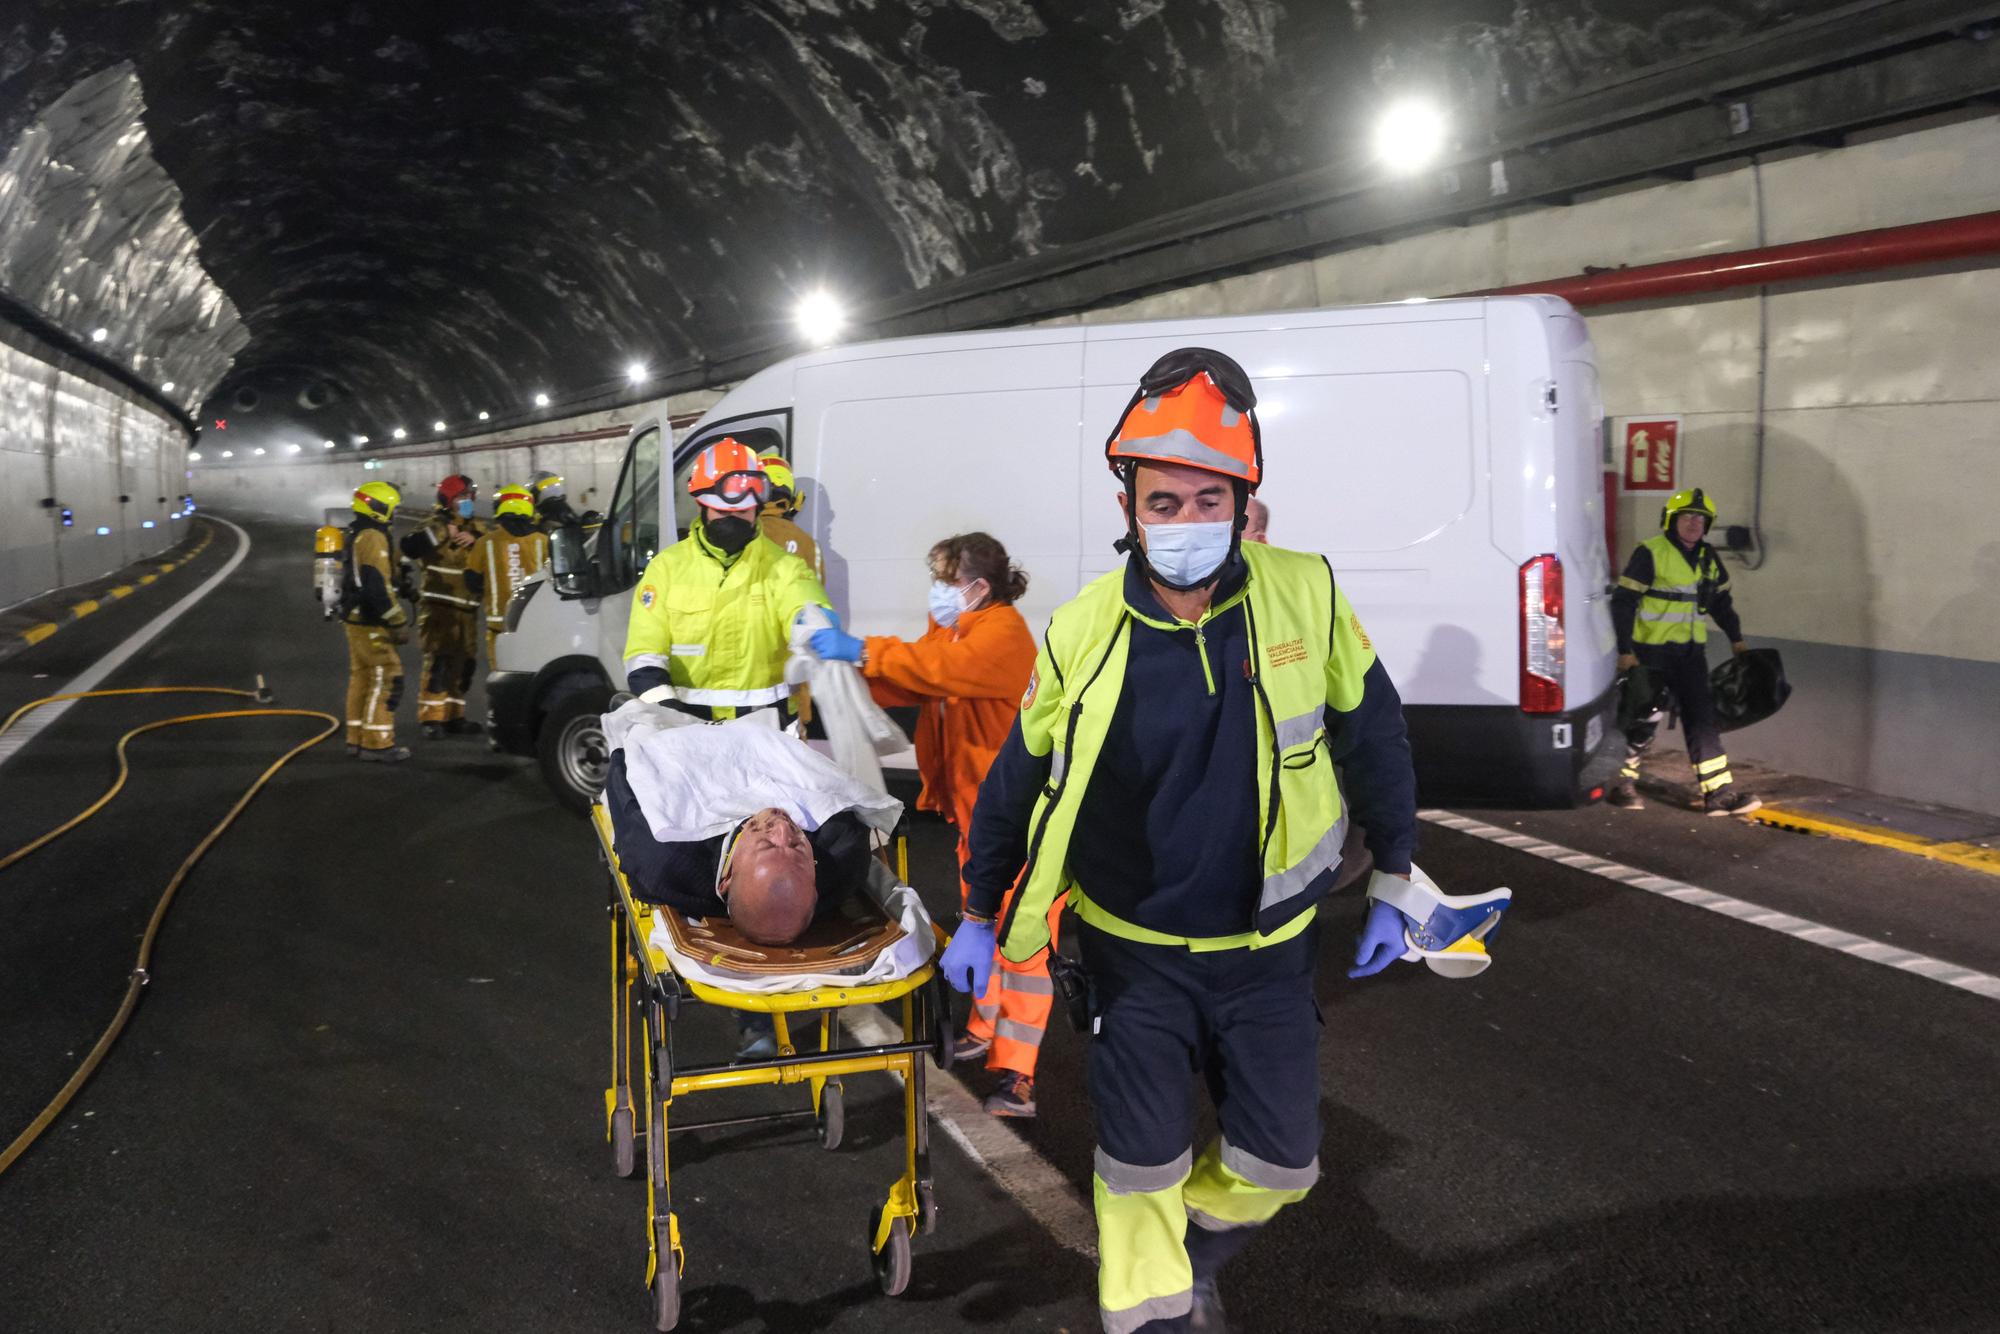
<point>728,475</point>
<point>455,486</point>
<point>1193,407</point>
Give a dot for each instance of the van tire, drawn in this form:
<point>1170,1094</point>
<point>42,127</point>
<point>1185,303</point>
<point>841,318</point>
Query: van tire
<point>571,745</point>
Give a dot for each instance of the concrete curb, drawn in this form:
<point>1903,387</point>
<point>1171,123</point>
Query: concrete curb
<point>130,582</point>
<point>1971,856</point>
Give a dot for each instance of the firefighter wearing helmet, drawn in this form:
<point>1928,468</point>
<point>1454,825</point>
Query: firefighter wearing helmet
<point>512,551</point>
<point>1661,607</point>
<point>448,598</point>
<point>1172,773</point>
<point>549,497</point>
<point>376,624</point>
<point>712,615</point>
<point>778,520</point>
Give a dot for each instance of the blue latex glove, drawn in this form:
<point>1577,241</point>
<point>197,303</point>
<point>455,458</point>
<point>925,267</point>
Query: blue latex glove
<point>834,644</point>
<point>968,960</point>
<point>1381,940</point>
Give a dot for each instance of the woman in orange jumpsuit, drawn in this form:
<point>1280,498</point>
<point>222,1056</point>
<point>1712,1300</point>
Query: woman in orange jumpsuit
<point>967,675</point>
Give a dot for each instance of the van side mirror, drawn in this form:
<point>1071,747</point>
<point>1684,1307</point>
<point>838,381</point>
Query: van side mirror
<point>570,568</point>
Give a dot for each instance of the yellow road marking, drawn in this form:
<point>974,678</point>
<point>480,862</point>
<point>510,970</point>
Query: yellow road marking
<point>121,590</point>
<point>1969,855</point>
<point>35,634</point>
<point>83,609</point>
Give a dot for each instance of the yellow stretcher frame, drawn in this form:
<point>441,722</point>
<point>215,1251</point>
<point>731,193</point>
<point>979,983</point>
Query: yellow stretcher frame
<point>643,982</point>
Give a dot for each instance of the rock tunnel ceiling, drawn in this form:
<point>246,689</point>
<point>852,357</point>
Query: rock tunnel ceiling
<point>426,210</point>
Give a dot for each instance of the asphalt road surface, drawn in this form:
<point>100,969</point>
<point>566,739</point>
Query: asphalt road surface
<point>364,1090</point>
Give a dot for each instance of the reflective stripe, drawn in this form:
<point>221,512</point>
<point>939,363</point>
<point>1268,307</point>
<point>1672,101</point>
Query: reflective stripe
<point>733,698</point>
<point>1297,731</point>
<point>1208,1222</point>
<point>1294,880</point>
<point>1722,779</point>
<point>1016,1031</point>
<point>1058,764</point>
<point>1155,1308</point>
<point>690,650</point>
<point>986,1011</point>
<point>453,571</point>
<point>640,660</point>
<point>446,597</point>
<point>1027,984</point>
<point>1710,766</point>
<point>1268,1176</point>
<point>1625,581</point>
<point>1181,445</point>
<point>1127,1179</point>
<point>1661,615</point>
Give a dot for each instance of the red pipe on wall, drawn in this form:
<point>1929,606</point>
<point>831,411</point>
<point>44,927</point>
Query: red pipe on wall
<point>1970,237</point>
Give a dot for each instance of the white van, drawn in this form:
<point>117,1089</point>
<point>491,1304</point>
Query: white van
<point>1444,455</point>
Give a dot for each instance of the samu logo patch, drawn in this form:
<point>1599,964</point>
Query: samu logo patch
<point>1034,684</point>
<point>646,596</point>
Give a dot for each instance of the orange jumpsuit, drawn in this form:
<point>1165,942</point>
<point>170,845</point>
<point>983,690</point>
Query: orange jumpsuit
<point>968,681</point>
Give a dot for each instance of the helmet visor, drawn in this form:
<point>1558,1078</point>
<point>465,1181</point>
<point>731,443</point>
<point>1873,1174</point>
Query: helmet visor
<point>736,491</point>
<point>1177,368</point>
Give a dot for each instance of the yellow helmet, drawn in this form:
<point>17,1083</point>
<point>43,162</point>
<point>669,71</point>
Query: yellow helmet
<point>1686,502</point>
<point>511,499</point>
<point>784,483</point>
<point>377,500</point>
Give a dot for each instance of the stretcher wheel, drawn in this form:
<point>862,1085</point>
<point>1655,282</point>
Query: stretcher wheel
<point>666,1290</point>
<point>624,1148</point>
<point>831,1121</point>
<point>892,1262</point>
<point>926,1209</point>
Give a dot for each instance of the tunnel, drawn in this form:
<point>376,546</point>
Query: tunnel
<point>1340,657</point>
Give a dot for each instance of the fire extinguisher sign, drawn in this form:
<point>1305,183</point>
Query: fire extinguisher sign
<point>1648,453</point>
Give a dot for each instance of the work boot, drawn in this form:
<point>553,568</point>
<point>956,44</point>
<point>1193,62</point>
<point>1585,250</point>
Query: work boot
<point>463,727</point>
<point>1015,1097</point>
<point>1731,800</point>
<point>386,755</point>
<point>969,1049</point>
<point>432,731</point>
<point>1624,794</point>
<point>1207,1315</point>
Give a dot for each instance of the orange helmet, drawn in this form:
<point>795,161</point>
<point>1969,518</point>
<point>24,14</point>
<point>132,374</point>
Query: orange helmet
<point>1194,407</point>
<point>728,475</point>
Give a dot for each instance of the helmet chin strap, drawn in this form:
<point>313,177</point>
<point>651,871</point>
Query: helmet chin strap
<point>1130,543</point>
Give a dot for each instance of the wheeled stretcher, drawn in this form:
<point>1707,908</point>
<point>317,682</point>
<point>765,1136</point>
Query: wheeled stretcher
<point>646,984</point>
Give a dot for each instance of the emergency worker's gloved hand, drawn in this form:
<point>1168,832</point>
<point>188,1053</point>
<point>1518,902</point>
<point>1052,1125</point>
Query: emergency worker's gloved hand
<point>1627,661</point>
<point>834,644</point>
<point>1381,940</point>
<point>1739,647</point>
<point>968,961</point>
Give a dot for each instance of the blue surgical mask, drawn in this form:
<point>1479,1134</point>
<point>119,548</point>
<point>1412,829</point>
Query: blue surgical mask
<point>1186,554</point>
<point>465,509</point>
<point>946,603</point>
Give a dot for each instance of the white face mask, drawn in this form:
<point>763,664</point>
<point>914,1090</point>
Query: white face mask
<point>946,603</point>
<point>1187,553</point>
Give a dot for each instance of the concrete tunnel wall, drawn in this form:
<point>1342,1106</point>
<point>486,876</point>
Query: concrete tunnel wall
<point>66,436</point>
<point>1881,403</point>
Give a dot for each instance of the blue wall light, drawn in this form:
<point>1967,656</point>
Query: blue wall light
<point>103,531</point>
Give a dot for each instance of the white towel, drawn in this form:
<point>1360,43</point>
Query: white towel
<point>856,728</point>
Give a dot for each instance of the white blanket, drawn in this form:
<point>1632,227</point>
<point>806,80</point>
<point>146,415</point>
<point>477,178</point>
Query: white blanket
<point>695,780</point>
<point>856,728</point>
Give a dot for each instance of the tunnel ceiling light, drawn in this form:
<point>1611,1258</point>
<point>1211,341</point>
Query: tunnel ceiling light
<point>326,444</point>
<point>99,335</point>
<point>820,317</point>
<point>1410,135</point>
<point>541,400</point>
<point>437,426</point>
<point>259,450</point>
<point>195,456</point>
<point>103,531</point>
<point>399,433</point>
<point>636,372</point>
<point>229,453</point>
<point>484,415</point>
<point>291,449</point>
<point>360,439</point>
<point>167,388</point>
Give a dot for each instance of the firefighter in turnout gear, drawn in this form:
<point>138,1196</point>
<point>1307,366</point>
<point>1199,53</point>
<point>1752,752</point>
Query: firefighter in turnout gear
<point>778,519</point>
<point>376,623</point>
<point>712,616</point>
<point>1172,776</point>
<point>448,599</point>
<point>512,550</point>
<point>549,501</point>
<point>1671,587</point>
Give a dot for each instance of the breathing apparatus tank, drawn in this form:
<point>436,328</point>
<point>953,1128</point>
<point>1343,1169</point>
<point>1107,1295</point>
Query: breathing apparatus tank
<point>329,574</point>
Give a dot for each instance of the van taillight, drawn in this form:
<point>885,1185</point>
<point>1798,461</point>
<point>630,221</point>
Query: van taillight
<point>1542,635</point>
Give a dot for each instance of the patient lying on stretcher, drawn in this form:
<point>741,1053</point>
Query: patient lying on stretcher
<point>770,876</point>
